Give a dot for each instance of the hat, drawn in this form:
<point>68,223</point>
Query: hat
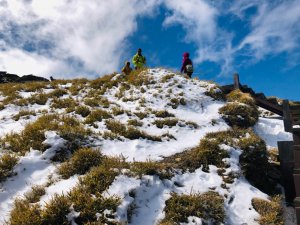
<point>186,54</point>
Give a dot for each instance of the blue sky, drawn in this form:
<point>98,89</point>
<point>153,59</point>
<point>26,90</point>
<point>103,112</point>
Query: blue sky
<point>259,39</point>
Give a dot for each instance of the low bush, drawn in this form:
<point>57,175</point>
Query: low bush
<point>98,179</point>
<point>80,162</point>
<point>24,213</point>
<point>7,163</point>
<point>208,206</point>
<point>206,153</point>
<point>139,77</point>
<point>216,93</point>
<point>163,114</point>
<point>35,193</point>
<point>94,209</point>
<point>129,132</point>
<point>97,116</point>
<point>237,114</point>
<point>57,93</point>
<point>165,122</point>
<point>60,103</point>
<point>84,111</point>
<point>254,163</point>
<point>134,122</point>
<point>2,107</point>
<point>23,113</point>
<point>56,210</point>
<point>270,212</point>
<point>151,168</point>
<point>40,99</point>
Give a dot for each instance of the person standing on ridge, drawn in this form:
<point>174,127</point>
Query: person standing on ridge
<point>139,61</point>
<point>126,69</point>
<point>187,65</point>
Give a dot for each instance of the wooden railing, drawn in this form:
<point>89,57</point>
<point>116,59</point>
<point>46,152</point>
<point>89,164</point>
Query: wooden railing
<point>289,151</point>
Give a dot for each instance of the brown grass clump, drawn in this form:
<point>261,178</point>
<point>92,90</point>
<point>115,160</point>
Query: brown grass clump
<point>207,206</point>
<point>238,96</point>
<point>139,77</point>
<point>151,168</point>
<point>271,212</point>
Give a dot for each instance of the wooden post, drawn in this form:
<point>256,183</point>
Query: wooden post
<point>287,120</point>
<point>286,158</point>
<point>236,81</point>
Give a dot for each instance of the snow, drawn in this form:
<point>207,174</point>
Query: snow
<point>150,193</point>
<point>271,131</point>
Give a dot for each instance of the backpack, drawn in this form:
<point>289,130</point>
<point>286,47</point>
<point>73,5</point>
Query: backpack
<point>189,68</point>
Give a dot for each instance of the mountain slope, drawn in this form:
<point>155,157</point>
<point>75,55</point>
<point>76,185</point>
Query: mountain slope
<point>133,149</point>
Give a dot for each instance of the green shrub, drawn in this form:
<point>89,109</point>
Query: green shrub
<point>81,161</point>
<point>56,210</point>
<point>82,110</point>
<point>254,163</point>
<point>166,78</point>
<point>151,168</point>
<point>215,93</point>
<point>59,103</point>
<point>98,179</point>
<point>236,114</point>
<point>163,114</point>
<point>134,122</point>
<point>117,111</point>
<point>165,122</point>
<point>271,212</point>
<point>40,99</point>
<point>35,193</point>
<point>92,207</point>
<point>57,93</point>
<point>2,107</point>
<point>97,115</point>
<point>24,213</point>
<point>7,163</point>
<point>129,132</point>
<point>208,206</point>
<point>141,115</point>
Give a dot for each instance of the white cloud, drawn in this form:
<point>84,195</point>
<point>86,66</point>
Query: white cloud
<point>75,37</point>
<point>275,30</point>
<point>89,36</point>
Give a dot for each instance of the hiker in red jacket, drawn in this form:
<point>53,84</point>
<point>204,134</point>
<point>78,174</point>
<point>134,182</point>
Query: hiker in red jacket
<point>187,65</point>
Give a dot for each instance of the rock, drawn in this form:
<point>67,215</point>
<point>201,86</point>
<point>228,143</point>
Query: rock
<point>13,78</point>
<point>27,78</point>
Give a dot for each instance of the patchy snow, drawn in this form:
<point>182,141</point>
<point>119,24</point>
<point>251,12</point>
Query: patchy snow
<point>146,197</point>
<point>32,169</point>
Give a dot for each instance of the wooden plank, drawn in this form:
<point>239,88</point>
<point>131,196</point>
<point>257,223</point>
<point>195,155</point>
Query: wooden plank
<point>271,107</point>
<point>294,107</point>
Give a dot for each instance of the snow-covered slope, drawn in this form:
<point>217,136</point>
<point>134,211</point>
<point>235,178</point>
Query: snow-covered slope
<point>185,100</point>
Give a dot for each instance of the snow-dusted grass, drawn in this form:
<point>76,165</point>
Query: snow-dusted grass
<point>160,135</point>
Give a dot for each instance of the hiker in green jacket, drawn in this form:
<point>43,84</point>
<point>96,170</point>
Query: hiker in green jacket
<point>138,60</point>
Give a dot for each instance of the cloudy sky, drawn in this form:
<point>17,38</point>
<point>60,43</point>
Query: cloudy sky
<point>259,39</point>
